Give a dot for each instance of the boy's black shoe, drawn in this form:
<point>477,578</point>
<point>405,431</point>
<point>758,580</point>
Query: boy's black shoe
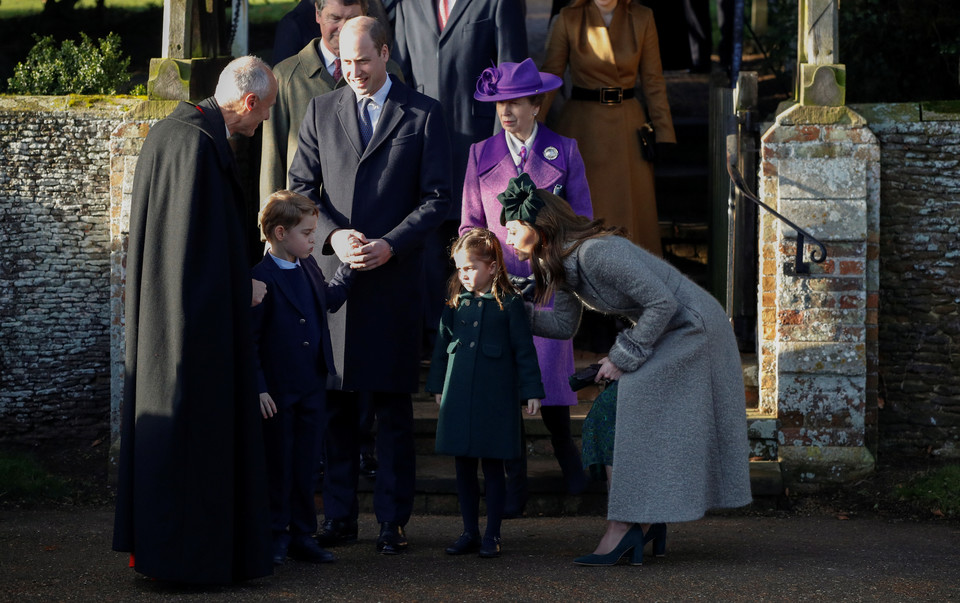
<point>337,531</point>
<point>306,548</point>
<point>280,543</point>
<point>392,539</point>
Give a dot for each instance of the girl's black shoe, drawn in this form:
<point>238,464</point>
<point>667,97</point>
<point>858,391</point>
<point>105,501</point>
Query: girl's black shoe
<point>467,543</point>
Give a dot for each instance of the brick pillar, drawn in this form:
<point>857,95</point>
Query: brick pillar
<point>125,144</point>
<point>818,333</point>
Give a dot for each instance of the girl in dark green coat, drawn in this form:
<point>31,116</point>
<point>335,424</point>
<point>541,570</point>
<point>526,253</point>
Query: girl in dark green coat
<point>484,365</point>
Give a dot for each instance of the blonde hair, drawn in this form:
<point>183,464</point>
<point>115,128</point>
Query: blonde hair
<point>283,208</point>
<point>481,244</point>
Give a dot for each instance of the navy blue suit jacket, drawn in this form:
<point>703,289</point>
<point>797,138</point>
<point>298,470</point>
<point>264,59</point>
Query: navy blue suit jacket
<point>396,189</point>
<point>280,324</point>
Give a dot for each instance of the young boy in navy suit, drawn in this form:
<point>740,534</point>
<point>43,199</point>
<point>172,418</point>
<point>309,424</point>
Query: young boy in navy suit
<point>293,358</point>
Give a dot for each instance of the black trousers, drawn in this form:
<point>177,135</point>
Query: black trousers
<point>394,489</point>
<point>290,438</point>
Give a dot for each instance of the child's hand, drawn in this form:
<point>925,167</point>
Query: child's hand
<point>437,398</point>
<point>267,406</point>
<point>533,405</point>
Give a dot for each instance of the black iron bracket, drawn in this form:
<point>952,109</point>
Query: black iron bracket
<point>799,267</point>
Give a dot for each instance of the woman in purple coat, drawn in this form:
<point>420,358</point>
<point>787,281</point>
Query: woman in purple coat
<point>553,163</point>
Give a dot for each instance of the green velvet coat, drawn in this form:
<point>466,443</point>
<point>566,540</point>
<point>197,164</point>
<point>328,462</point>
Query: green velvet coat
<point>485,365</point>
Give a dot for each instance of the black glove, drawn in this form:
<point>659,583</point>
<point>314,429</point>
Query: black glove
<point>525,285</point>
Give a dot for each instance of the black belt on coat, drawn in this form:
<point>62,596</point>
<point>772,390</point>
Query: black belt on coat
<point>604,96</point>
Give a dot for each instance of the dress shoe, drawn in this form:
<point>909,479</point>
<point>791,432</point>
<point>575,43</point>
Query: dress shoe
<point>392,539</point>
<point>281,541</point>
<point>467,543</point>
<point>368,465</point>
<point>305,548</point>
<point>633,541</point>
<point>490,547</point>
<point>337,531</point>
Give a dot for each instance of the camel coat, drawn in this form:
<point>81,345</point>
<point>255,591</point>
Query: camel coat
<point>680,444</point>
<point>621,181</point>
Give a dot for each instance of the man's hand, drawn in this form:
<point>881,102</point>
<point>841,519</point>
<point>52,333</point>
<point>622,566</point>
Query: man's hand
<point>372,255</point>
<point>267,406</point>
<point>533,405</point>
<point>259,292</point>
<point>344,241</point>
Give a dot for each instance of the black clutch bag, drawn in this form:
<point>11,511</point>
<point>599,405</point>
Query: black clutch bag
<point>648,139</point>
<point>584,377</point>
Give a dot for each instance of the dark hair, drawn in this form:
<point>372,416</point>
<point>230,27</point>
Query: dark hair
<point>283,208</point>
<point>482,245</point>
<point>364,6</point>
<point>560,232</point>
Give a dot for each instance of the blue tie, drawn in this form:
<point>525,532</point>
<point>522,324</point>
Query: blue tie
<point>363,116</point>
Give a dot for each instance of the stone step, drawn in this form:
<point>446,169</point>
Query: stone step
<point>436,489</point>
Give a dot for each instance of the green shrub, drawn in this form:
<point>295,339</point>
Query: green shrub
<point>88,68</point>
<point>937,491</point>
<point>23,479</point>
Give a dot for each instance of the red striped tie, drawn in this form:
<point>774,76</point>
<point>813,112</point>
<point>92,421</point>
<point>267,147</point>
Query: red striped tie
<point>443,13</point>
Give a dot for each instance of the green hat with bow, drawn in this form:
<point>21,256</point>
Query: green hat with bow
<point>520,201</point>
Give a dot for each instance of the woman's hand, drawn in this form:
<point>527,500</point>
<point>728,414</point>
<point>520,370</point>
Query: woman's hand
<point>608,370</point>
<point>533,405</point>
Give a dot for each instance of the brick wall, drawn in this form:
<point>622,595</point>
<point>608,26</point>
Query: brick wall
<point>55,268</point>
<point>919,320</point>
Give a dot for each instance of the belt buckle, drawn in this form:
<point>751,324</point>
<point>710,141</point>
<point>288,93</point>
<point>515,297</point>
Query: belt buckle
<point>611,96</point>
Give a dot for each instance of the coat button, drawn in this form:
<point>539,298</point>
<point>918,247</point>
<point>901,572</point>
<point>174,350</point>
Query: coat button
<point>306,344</point>
<point>480,303</point>
<point>475,323</point>
<point>466,302</point>
<point>473,343</point>
<point>303,321</point>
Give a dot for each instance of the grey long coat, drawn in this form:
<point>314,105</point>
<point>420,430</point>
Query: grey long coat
<point>445,65</point>
<point>681,436</point>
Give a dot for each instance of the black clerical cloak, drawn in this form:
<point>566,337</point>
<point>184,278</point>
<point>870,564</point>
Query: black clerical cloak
<point>192,495</point>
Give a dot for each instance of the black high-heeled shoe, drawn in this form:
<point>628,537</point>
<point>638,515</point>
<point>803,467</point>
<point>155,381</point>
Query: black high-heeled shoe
<point>634,540</point>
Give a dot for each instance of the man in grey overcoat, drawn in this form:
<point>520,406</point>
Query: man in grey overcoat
<point>380,191</point>
<point>444,63</point>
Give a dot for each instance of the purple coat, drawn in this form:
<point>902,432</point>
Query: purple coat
<point>489,169</point>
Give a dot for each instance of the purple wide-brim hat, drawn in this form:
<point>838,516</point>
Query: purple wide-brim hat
<point>514,80</point>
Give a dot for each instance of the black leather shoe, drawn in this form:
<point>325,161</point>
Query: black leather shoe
<point>467,543</point>
<point>368,465</point>
<point>280,545</point>
<point>490,547</point>
<point>306,549</point>
<point>337,531</point>
<point>392,539</point>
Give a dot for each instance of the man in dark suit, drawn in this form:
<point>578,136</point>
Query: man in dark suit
<point>191,493</point>
<point>382,185</point>
<point>442,47</point>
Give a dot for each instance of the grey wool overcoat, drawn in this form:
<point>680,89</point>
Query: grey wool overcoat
<point>485,364</point>
<point>681,433</point>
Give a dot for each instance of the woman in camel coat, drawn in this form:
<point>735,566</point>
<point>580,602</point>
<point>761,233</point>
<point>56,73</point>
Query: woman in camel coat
<point>607,44</point>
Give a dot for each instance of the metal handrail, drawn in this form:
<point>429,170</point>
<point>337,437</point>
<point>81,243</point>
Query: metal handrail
<point>736,178</point>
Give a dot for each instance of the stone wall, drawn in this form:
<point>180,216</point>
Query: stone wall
<point>919,277</point>
<point>55,313</point>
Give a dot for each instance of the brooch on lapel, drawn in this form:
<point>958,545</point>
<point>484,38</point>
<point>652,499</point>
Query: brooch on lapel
<point>550,153</point>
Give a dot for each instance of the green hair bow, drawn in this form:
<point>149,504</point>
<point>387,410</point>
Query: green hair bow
<point>520,201</point>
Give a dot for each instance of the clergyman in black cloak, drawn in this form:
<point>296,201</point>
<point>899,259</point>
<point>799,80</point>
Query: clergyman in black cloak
<point>192,496</point>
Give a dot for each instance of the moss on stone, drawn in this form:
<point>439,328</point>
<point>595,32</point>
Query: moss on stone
<point>887,113</point>
<point>806,114</point>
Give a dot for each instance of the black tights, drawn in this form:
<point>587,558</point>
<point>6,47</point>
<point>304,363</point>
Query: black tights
<point>468,492</point>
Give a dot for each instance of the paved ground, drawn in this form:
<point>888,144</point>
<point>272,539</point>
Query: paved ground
<point>64,555</point>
